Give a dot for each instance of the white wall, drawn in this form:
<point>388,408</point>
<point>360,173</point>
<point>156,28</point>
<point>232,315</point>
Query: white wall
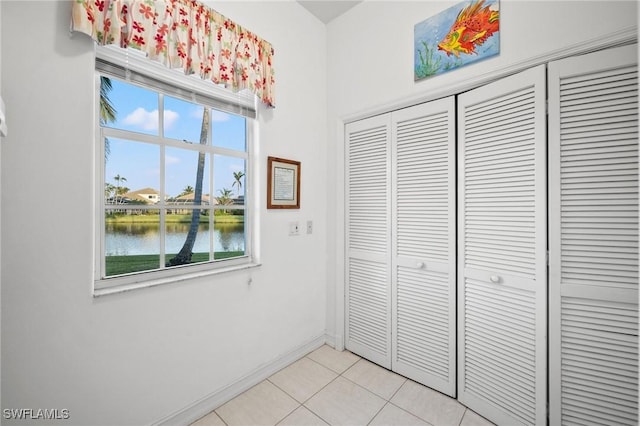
<point>0,213</point>
<point>137,357</point>
<point>370,69</point>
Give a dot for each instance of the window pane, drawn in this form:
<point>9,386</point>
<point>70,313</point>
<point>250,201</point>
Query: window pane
<point>156,175</point>
<point>188,233</point>
<point>132,242</point>
<point>229,227</point>
<point>181,178</point>
<point>134,108</point>
<point>229,233</point>
<point>229,131</point>
<point>182,120</point>
<point>132,173</point>
<point>229,180</point>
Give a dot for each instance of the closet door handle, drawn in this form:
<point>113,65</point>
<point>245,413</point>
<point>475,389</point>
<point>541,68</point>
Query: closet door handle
<point>495,279</point>
<point>420,265</point>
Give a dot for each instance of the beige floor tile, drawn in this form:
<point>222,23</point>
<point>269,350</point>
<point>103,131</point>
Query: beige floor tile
<point>210,419</point>
<point>391,415</point>
<point>428,404</point>
<point>302,417</point>
<point>472,419</point>
<point>303,379</point>
<point>330,358</point>
<point>378,380</point>
<point>342,402</point>
<point>263,404</point>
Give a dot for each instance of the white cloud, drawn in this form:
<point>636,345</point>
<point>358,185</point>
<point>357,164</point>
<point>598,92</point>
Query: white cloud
<point>148,120</point>
<point>170,117</point>
<point>219,116</point>
<point>168,159</point>
<point>236,167</point>
<point>216,116</point>
<point>196,112</point>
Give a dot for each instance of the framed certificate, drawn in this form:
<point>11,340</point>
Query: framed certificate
<point>283,183</point>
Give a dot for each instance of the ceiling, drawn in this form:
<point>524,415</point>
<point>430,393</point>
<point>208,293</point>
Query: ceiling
<point>327,10</point>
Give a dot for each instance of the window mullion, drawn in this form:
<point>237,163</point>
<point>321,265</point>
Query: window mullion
<point>249,190</point>
<point>138,148</point>
<point>163,209</point>
<point>212,230</point>
<point>102,271</point>
<point>230,153</point>
<point>163,196</point>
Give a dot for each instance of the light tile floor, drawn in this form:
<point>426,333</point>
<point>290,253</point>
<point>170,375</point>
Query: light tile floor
<point>328,387</point>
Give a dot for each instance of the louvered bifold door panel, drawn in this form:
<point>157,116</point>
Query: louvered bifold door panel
<point>502,281</point>
<point>423,261</point>
<point>593,239</point>
<point>368,240</point>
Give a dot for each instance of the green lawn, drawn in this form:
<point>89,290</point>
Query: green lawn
<point>117,265</point>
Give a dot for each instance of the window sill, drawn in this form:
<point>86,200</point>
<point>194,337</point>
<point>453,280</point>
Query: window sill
<point>122,288</point>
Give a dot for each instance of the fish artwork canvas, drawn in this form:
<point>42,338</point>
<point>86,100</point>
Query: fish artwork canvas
<point>465,33</point>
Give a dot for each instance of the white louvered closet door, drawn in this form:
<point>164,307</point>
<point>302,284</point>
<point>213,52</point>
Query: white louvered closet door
<point>502,276</point>
<point>423,261</point>
<point>593,238</point>
<point>368,239</point>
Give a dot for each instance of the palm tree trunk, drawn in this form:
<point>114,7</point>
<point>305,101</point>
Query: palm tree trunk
<point>184,256</point>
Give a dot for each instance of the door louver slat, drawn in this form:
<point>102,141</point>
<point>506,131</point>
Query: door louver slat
<point>502,196</point>
<point>423,304</point>
<point>598,363</point>
<point>423,234</point>
<point>367,180</point>
<point>594,242</point>
<point>368,300</point>
<point>501,220</point>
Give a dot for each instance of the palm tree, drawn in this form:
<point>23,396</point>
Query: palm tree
<point>184,255</point>
<point>187,190</point>
<point>109,189</point>
<point>107,111</point>
<point>119,179</point>
<point>225,197</point>
<point>121,192</point>
<point>237,176</point>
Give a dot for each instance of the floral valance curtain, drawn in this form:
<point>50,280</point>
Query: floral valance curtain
<point>182,34</point>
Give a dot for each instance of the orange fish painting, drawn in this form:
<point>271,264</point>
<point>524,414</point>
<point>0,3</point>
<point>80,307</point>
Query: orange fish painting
<point>460,35</point>
<point>473,26</point>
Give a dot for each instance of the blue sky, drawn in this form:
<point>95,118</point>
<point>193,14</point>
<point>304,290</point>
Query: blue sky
<point>137,110</point>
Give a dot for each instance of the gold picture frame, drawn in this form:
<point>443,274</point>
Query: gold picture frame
<point>283,183</point>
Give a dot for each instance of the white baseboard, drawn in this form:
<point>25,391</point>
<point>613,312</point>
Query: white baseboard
<point>214,400</point>
<point>330,340</point>
<point>336,341</point>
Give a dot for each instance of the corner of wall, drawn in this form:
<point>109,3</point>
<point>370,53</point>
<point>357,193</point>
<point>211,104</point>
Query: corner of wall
<point>1,138</point>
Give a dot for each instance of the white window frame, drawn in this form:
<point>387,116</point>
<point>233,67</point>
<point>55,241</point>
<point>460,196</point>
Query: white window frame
<point>134,68</point>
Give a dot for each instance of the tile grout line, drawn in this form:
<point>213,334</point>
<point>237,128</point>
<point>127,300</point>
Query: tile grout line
<point>325,386</point>
<point>463,414</point>
<point>220,417</point>
<point>302,404</point>
<point>286,393</point>
<point>321,389</point>
<point>386,402</point>
<point>390,402</point>
<point>412,414</point>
